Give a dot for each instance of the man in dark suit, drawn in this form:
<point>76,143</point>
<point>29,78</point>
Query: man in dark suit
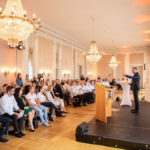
<point>59,90</point>
<point>135,86</point>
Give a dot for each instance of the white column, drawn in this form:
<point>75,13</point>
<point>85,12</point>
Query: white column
<point>73,64</point>
<point>76,65</point>
<point>35,54</point>
<point>60,61</point>
<point>26,59</point>
<point>54,59</point>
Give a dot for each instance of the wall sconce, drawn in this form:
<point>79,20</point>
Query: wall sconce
<point>48,72</point>
<point>15,71</point>
<point>42,73</point>
<point>45,72</point>
<point>66,73</point>
<point>5,71</point>
<point>89,73</point>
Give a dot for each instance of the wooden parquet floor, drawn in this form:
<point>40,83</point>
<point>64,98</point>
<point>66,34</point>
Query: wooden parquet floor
<point>59,136</point>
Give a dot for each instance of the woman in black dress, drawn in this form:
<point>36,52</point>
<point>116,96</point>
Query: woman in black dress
<point>23,105</point>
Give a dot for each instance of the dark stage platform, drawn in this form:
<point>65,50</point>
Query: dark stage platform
<point>123,130</point>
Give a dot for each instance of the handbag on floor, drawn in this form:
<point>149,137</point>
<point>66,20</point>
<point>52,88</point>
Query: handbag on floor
<point>35,123</point>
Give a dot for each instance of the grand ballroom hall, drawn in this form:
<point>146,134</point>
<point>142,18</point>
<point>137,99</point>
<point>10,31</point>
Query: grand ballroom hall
<point>74,74</point>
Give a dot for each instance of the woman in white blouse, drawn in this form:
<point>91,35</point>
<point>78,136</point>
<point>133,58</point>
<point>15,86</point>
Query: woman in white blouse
<point>55,100</point>
<point>43,100</point>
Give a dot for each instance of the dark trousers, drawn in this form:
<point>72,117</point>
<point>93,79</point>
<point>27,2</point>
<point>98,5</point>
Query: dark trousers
<point>5,123</point>
<point>51,106</point>
<point>66,97</point>
<point>88,97</point>
<point>82,99</point>
<point>17,123</point>
<point>136,99</point>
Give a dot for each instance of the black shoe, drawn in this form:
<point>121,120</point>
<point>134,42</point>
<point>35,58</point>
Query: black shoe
<point>134,111</point>
<point>3,140</point>
<point>58,114</point>
<point>50,119</point>
<point>32,130</point>
<point>22,134</point>
<point>18,135</point>
<point>62,116</point>
<point>11,132</point>
<point>84,104</point>
<point>64,112</point>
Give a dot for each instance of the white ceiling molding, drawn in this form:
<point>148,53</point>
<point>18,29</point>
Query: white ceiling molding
<point>139,49</point>
<point>53,34</point>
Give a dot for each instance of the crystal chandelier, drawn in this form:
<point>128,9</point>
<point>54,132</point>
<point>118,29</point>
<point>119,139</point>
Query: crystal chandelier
<point>15,26</point>
<point>113,62</point>
<point>93,56</point>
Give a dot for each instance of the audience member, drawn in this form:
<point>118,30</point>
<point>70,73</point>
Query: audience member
<point>10,109</point>
<point>3,92</point>
<point>19,80</point>
<point>43,100</point>
<point>23,105</point>
<point>35,105</point>
<point>55,100</point>
<point>5,124</point>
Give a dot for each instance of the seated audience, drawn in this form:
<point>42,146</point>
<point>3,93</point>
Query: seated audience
<point>46,84</point>
<point>19,80</point>
<point>14,85</point>
<point>86,90</point>
<point>36,86</point>
<point>41,83</point>
<point>43,100</point>
<point>76,92</point>
<point>23,105</point>
<point>10,109</point>
<point>113,82</point>
<point>55,100</point>
<point>27,81</point>
<point>59,89</point>
<point>35,105</point>
<point>5,124</point>
<point>35,80</point>
<point>82,77</point>
<point>92,87</point>
<point>3,92</point>
<point>66,92</point>
<point>105,82</point>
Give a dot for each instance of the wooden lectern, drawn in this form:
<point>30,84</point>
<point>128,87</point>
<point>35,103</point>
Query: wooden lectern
<point>103,103</point>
